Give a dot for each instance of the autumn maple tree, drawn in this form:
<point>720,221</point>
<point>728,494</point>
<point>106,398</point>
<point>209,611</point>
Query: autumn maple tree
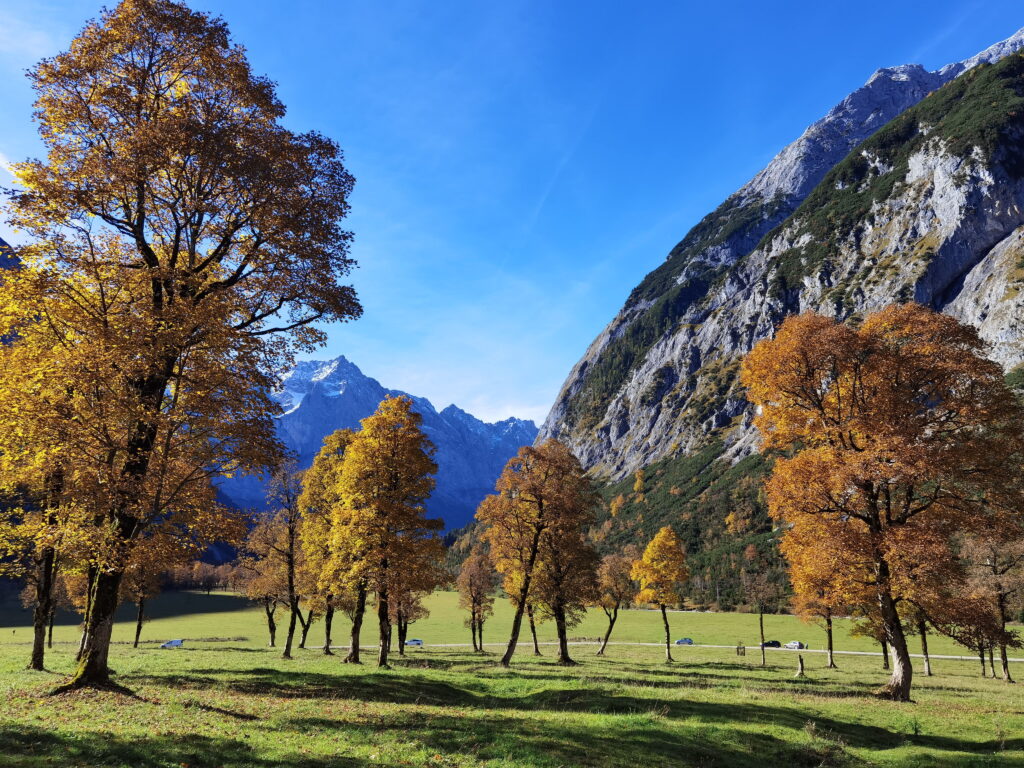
<point>182,242</point>
<point>897,437</point>
<point>381,538</point>
<point>476,583</point>
<point>327,590</point>
<point>661,571</point>
<point>615,588</point>
<point>541,496</point>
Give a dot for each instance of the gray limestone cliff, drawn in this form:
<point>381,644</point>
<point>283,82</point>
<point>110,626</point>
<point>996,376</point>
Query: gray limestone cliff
<point>909,189</point>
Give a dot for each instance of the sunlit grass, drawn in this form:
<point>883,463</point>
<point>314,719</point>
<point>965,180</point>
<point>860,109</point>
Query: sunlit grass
<point>234,702</point>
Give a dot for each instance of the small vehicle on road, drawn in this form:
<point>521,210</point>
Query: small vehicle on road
<point>414,642</point>
<point>771,644</point>
<point>795,645</point>
<point>173,644</point>
<point>684,641</point>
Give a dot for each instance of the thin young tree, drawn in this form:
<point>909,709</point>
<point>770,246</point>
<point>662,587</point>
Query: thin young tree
<point>661,572</point>
<point>900,438</point>
<point>274,544</point>
<point>615,588</point>
<point>183,241</point>
<point>476,583</point>
<point>996,568</point>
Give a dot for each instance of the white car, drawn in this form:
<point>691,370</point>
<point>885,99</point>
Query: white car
<point>413,642</point>
<point>173,644</point>
<point>795,645</point>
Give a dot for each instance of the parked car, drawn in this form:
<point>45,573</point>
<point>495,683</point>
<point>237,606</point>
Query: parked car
<point>771,644</point>
<point>173,644</point>
<point>684,641</point>
<point>414,641</point>
<point>795,645</point>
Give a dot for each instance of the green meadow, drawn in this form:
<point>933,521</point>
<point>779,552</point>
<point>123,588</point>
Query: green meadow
<point>225,699</point>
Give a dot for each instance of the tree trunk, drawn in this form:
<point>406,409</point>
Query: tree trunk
<point>612,616</point>
<point>49,627</point>
<point>524,592</point>
<point>668,635</point>
<point>760,624</point>
<point>472,629</point>
<point>270,608</point>
<point>90,583</point>
<point>92,667</point>
<point>992,659</point>
<point>898,687</point>
<point>981,657</point>
<point>885,654</point>
<point>357,624</point>
<point>480,634</point>
<point>328,621</point>
<point>828,635</point>
<point>292,617</point>
<point>800,666</point>
<point>384,622</point>
<point>138,621</point>
<point>922,629</point>
<point>533,631</point>
<point>43,611</point>
<point>403,631</point>
<point>563,638</point>
<point>1005,663</point>
<point>305,625</point>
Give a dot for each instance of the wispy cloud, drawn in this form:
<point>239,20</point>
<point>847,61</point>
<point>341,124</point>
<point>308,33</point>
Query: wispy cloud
<point>944,34</point>
<point>24,39</point>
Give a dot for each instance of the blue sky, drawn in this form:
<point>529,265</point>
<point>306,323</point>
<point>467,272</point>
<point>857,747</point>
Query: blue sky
<point>522,164</point>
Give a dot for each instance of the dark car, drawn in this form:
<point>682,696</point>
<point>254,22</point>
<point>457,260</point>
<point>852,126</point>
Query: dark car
<point>771,644</point>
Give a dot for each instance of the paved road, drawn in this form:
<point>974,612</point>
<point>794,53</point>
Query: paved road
<point>752,648</point>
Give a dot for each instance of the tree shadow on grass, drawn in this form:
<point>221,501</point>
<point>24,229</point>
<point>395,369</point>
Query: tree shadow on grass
<point>642,740</point>
<point>26,746</point>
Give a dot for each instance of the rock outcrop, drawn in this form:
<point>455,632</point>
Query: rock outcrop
<point>909,189</point>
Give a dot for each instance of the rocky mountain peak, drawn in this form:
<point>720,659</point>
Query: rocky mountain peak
<point>909,188</point>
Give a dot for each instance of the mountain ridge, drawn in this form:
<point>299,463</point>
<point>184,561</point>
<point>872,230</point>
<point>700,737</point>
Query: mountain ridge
<point>664,360</point>
<point>319,396</point>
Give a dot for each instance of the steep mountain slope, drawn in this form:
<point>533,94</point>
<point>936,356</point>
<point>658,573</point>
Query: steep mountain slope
<point>926,207</point>
<point>319,397</point>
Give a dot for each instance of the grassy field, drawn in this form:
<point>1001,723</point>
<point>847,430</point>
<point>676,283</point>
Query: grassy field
<point>227,700</point>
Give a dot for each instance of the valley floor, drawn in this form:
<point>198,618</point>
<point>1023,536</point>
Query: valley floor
<point>230,701</point>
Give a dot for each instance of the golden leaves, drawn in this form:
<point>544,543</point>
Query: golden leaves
<point>662,569</point>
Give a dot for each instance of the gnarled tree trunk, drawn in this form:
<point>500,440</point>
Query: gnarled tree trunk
<point>328,621</point>
<point>612,615</point>
<point>828,636</point>
<point>403,631</point>
<point>42,614</point>
<point>563,637</point>
<point>898,687</point>
<point>139,617</point>
<point>270,608</point>
<point>357,624</point>
<point>922,630</point>
<point>533,631</point>
<point>93,669</point>
<point>384,622</point>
